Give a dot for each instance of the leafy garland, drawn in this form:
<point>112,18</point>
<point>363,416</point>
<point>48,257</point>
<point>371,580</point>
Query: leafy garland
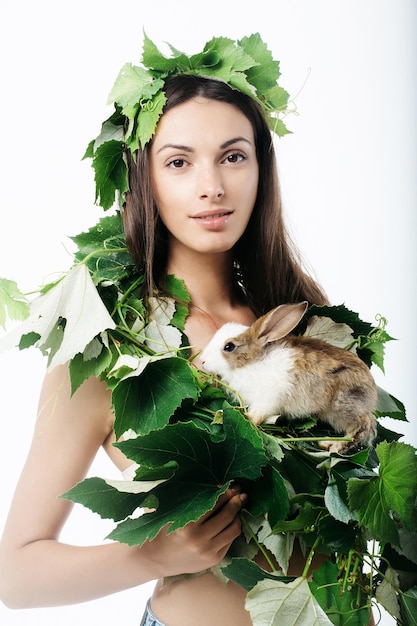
<point>191,440</point>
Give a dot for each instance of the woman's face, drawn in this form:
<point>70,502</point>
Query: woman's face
<point>204,175</point>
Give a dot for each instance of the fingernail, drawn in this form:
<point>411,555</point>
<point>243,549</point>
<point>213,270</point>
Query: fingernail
<point>243,497</point>
<point>235,488</point>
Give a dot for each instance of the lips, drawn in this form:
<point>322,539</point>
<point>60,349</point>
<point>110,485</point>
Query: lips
<point>213,220</point>
<point>207,215</point>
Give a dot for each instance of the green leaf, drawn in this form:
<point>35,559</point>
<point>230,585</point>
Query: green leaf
<point>146,402</point>
<point>268,495</point>
<point>335,504</point>
<point>247,573</point>
<point>147,120</point>
<point>13,303</point>
<point>274,603</point>
<point>67,317</point>
<point>340,604</point>
<point>105,499</point>
<point>265,72</point>
<point>155,60</point>
<point>176,288</point>
<point>80,369</point>
<point>176,503</point>
<point>408,602</point>
<point>303,522</point>
<point>337,536</point>
<point>386,592</point>
<point>335,494</point>
<point>386,501</point>
<point>272,447</point>
<point>110,172</point>
<point>388,406</point>
<point>302,468</point>
<point>28,340</point>
<point>107,234</point>
<point>341,314</point>
<point>133,85</point>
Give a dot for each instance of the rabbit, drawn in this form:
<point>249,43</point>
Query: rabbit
<point>276,373</point>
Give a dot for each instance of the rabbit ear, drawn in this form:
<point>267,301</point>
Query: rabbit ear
<point>281,321</point>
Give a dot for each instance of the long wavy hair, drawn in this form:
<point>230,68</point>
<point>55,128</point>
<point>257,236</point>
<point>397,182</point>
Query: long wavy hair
<point>267,264</point>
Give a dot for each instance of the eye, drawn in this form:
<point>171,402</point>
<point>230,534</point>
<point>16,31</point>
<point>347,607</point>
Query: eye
<point>229,346</point>
<point>235,157</point>
<point>176,163</point>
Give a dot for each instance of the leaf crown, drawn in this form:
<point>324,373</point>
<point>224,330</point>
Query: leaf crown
<point>138,98</point>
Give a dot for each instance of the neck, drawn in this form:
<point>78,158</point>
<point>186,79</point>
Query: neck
<point>208,279</point>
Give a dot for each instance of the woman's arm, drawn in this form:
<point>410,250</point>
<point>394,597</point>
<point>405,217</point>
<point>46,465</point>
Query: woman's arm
<point>35,568</point>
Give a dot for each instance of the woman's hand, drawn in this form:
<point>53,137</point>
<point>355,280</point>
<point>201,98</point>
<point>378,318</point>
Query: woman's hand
<point>198,545</point>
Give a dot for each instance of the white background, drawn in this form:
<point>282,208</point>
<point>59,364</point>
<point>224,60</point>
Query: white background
<point>348,174</point>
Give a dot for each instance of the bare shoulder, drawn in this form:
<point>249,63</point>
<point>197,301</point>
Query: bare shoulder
<point>85,417</point>
<point>88,409</point>
<point>56,386</point>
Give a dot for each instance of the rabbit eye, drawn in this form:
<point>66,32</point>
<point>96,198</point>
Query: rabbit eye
<point>229,346</point>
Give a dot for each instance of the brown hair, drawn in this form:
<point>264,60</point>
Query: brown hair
<point>268,266</point>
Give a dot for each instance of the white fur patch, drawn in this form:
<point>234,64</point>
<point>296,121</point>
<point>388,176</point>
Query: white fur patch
<point>265,385</point>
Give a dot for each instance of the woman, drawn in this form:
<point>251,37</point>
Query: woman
<point>205,193</point>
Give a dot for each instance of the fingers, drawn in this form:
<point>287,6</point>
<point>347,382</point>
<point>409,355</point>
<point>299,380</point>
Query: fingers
<point>232,491</point>
<point>222,525</point>
<point>225,526</point>
<point>202,544</point>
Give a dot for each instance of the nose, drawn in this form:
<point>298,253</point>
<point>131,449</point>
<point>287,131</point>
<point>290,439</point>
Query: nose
<point>210,183</point>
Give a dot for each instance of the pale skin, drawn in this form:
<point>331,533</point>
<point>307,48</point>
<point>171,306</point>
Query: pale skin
<point>205,176</point>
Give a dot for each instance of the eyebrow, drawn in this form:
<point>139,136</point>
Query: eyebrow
<point>185,148</point>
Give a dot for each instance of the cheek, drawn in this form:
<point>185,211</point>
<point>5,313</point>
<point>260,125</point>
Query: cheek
<point>251,182</point>
<point>249,189</point>
<point>170,198</point>
<point>165,202</point>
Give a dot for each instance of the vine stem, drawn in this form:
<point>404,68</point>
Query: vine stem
<point>313,439</point>
<point>101,252</point>
<point>259,545</point>
<point>310,558</point>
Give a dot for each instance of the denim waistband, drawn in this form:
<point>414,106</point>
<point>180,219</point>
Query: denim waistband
<point>149,619</point>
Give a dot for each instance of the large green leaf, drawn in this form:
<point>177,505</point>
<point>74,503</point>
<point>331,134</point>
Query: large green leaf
<point>386,501</point>
<point>146,402</point>
<point>236,453</point>
<point>206,464</point>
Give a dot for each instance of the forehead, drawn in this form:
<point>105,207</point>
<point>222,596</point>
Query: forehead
<point>202,119</point>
